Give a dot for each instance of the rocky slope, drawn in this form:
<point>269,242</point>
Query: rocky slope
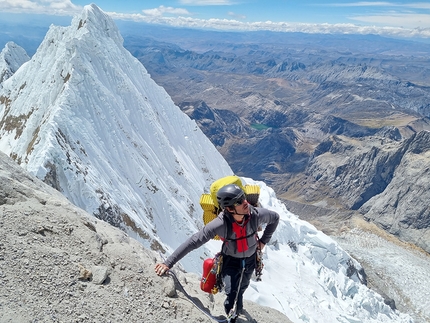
<point>59,264</point>
<point>269,129</point>
<point>402,208</point>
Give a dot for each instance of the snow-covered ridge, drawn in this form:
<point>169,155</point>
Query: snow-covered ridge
<point>11,58</point>
<point>85,116</point>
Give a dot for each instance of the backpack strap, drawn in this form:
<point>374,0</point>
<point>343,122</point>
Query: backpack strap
<point>229,228</point>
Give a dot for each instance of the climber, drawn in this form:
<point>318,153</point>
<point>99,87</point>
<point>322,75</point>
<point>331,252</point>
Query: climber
<point>237,226</point>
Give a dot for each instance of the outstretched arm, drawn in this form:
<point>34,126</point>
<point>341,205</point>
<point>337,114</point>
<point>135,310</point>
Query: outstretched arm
<point>195,241</point>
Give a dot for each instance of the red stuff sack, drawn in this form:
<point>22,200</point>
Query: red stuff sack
<point>208,281</point>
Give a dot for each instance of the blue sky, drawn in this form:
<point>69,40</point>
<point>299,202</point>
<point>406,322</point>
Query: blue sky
<point>394,17</point>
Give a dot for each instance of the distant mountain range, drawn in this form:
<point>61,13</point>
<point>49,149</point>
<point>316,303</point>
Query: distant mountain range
<point>327,120</point>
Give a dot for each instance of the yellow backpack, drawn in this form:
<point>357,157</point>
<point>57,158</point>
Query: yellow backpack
<point>209,202</point>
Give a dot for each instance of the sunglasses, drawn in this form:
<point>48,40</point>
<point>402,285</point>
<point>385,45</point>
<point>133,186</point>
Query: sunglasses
<point>240,201</point>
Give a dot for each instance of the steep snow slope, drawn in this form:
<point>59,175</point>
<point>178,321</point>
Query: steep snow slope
<point>400,268</point>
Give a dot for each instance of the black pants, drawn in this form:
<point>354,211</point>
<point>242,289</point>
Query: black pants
<point>231,272</point>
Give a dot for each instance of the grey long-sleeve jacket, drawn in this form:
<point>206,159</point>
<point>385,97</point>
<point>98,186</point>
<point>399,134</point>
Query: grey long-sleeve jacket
<point>243,247</point>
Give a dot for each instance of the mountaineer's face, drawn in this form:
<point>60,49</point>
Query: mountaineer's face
<point>241,206</point>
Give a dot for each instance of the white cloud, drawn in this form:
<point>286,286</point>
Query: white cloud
<point>52,7</point>
<point>419,5</point>
<point>161,10</point>
<point>361,4</point>
<point>206,2</point>
<point>235,15</point>
<point>181,18</point>
<point>405,20</point>
<point>235,25</point>
<point>393,14</point>
<point>416,5</point>
<point>17,4</point>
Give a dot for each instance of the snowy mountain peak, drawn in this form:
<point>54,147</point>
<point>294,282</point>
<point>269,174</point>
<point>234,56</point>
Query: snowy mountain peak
<point>85,116</point>
<point>96,22</point>
<point>11,58</point>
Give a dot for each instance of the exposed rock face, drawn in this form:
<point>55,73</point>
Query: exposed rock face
<point>219,125</point>
<point>402,208</point>
<point>60,264</point>
<point>386,180</point>
<point>352,171</point>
